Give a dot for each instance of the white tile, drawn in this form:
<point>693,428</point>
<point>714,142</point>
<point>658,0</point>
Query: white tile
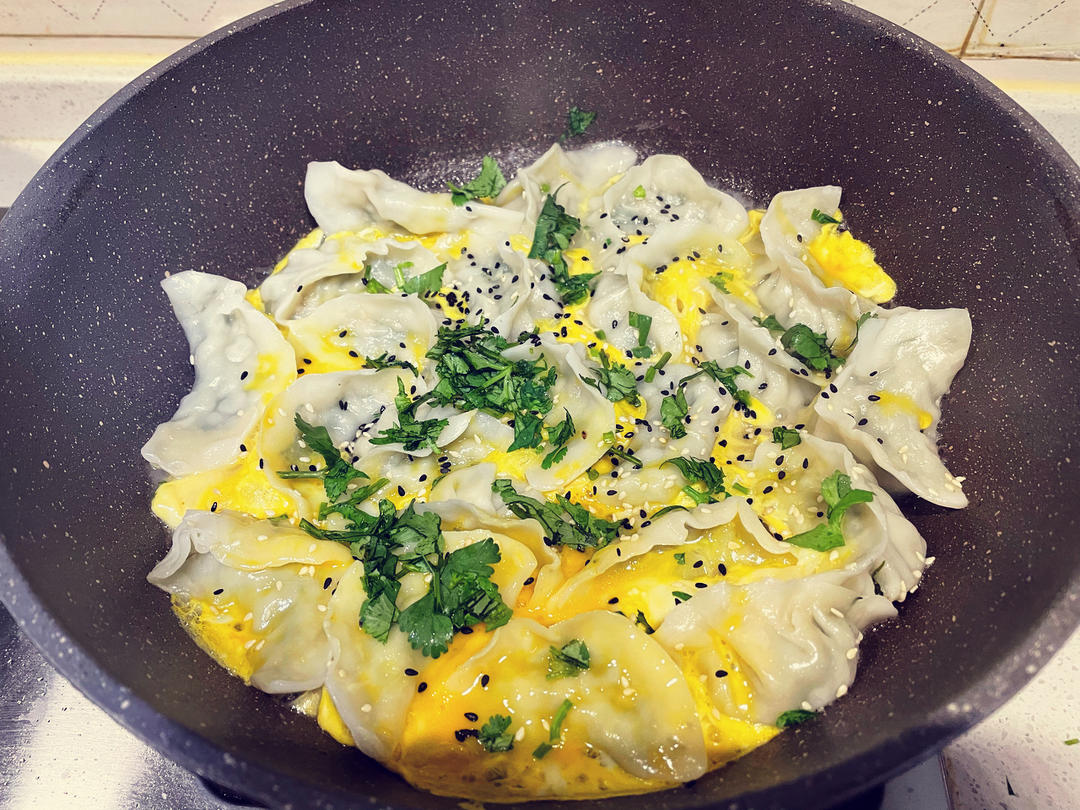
<point>943,22</point>
<point>172,18</point>
<point>1048,28</point>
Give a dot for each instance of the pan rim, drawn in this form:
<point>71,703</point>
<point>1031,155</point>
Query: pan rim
<point>199,755</point>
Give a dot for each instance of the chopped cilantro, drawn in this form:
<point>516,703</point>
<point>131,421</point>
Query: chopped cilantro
<point>699,471</point>
<point>858,325</point>
<point>1073,741</point>
<point>720,281</point>
<point>639,192</point>
<point>542,750</point>
<point>473,373</point>
<point>811,348</point>
<point>577,121</point>
<point>488,183</point>
<point>411,433</point>
<point>337,473</point>
<point>422,285</point>
<point>785,437</point>
<point>384,361</point>
<point>672,508</point>
<point>557,436</point>
<point>617,380</point>
<point>770,323</point>
<point>493,734</point>
<point>794,717</point>
<point>680,557</point>
<point>726,377</point>
<point>570,659</point>
<point>673,412</point>
<point>839,497</point>
<point>565,522</point>
<point>371,284</point>
<point>650,373</point>
<point>820,216</point>
<point>527,432</point>
<point>643,323</point>
<point>682,595</point>
<point>640,619</point>
<point>461,595</point>
<point>621,452</point>
<point>735,485</point>
<point>555,734</point>
<point>554,230</point>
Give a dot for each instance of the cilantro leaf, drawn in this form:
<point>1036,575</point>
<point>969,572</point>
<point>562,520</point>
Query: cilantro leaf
<point>337,473</point>
<point>785,437</point>
<point>424,284</point>
<point>810,348</point>
<point>473,373</point>
<point>858,325</point>
<point>411,433</point>
<point>557,436</point>
<point>378,615</point>
<point>839,496</point>
<point>493,734</point>
<point>371,284</point>
<point>673,412</point>
<point>527,434</point>
<point>680,557</point>
<point>640,619</point>
<point>488,183</point>
<point>720,281</point>
<point>682,596</point>
<point>384,360</point>
<point>794,717</point>
<point>565,522</point>
<point>428,630</point>
<point>820,216</point>
<point>554,230</point>
<point>558,719</point>
<point>643,323</point>
<point>570,659</point>
<point>617,380</point>
<point>577,121</point>
<point>770,323</point>
<point>699,471</point>
<point>726,377</point>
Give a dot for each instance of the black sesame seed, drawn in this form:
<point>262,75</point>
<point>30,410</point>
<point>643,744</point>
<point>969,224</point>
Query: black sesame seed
<point>422,686</point>
<point>219,592</point>
<point>326,583</point>
<point>700,585</point>
<point>613,600</point>
<point>485,680</point>
<point>411,672</point>
<point>722,569</point>
<point>873,397</point>
<point>721,673</point>
<point>213,506</point>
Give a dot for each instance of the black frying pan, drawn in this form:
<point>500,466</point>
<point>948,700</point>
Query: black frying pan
<point>197,165</point>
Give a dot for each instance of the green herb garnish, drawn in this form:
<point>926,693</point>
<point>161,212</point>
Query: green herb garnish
<point>643,323</point>
<point>682,595</point>
<point>488,183</point>
<point>639,192</point>
<point>650,373</point>
<point>554,230</point>
<point>617,380</point>
<point>493,734</point>
<point>699,471</point>
<point>720,281</point>
<point>411,433</point>
<point>839,497</point>
<point>577,121</point>
<point>673,412</point>
<point>555,734</point>
<point>726,377</point>
<point>570,659</point>
<point>565,522</point>
<point>384,361</point>
<point>794,717</point>
<point>337,473</point>
<point>422,285</point>
<point>558,435</point>
<point>785,437</point>
<point>680,557</point>
<point>820,216</point>
<point>770,323</point>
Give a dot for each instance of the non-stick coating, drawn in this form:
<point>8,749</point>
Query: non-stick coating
<point>199,166</point>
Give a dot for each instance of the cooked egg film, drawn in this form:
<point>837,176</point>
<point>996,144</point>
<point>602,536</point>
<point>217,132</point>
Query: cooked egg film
<point>561,487</point>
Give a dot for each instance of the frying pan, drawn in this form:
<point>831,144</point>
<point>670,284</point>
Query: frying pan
<point>198,165</point>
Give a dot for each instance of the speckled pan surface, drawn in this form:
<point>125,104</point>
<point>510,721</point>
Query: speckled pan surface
<point>198,166</point>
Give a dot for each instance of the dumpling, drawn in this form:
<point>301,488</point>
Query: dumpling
<point>240,360</point>
<point>253,594</point>
<point>618,731</point>
<point>887,400</point>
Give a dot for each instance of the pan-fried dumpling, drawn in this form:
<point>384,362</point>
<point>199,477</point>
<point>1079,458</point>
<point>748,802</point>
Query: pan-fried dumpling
<point>343,199</point>
<point>254,594</point>
<point>617,731</point>
<point>887,399</point>
<point>240,359</point>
